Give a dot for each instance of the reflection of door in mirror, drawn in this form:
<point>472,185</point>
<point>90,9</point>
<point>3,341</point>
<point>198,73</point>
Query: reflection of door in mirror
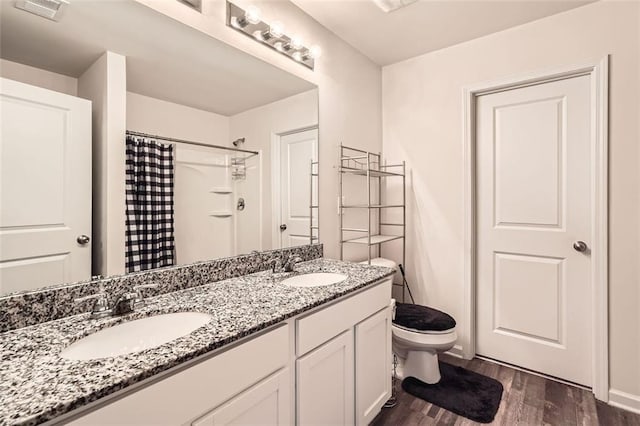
<point>297,151</point>
<point>45,187</point>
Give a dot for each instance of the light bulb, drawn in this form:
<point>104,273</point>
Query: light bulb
<point>252,15</point>
<point>278,46</point>
<point>257,34</point>
<point>297,42</point>
<point>276,29</point>
<point>297,56</point>
<point>315,51</point>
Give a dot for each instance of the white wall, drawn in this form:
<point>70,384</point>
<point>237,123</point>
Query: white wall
<point>104,83</point>
<point>158,117</point>
<point>38,77</point>
<point>422,121</point>
<point>257,126</point>
<point>348,85</point>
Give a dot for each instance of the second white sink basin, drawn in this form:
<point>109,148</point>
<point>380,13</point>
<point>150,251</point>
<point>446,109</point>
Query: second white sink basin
<point>135,336</point>
<point>317,279</point>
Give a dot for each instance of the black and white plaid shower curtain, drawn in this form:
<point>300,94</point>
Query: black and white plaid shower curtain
<point>149,198</point>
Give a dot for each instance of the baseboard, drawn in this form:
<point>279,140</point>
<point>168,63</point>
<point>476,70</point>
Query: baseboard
<point>456,351</point>
<point>624,400</point>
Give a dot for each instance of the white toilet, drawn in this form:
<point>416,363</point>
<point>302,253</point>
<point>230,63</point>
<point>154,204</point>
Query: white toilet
<point>419,334</point>
<point>418,351</point>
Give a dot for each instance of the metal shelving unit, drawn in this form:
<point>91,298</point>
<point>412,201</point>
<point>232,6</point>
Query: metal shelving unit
<point>358,162</point>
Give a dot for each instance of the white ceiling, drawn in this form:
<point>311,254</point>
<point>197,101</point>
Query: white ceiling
<point>165,59</point>
<point>426,25</point>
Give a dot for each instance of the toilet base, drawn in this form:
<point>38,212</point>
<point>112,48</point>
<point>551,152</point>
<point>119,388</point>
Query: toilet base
<point>418,352</point>
<point>423,365</point>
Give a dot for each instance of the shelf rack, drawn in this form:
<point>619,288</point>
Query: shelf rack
<point>354,161</point>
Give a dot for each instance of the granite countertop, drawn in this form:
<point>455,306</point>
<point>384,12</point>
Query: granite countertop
<point>37,385</point>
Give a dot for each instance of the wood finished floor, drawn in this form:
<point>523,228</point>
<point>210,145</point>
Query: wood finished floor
<point>527,400</point>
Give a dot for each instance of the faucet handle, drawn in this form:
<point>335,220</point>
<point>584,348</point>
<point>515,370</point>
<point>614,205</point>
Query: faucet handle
<point>290,266</point>
<point>139,296</point>
<point>100,307</point>
<point>275,264</point>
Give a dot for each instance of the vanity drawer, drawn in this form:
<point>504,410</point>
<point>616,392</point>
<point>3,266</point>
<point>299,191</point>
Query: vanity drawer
<point>321,326</point>
<point>188,394</point>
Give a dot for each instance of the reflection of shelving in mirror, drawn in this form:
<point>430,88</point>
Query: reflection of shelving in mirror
<point>314,216</point>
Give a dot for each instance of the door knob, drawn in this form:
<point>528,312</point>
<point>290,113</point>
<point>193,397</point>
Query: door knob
<point>580,246</point>
<point>83,239</point>
<point>283,227</point>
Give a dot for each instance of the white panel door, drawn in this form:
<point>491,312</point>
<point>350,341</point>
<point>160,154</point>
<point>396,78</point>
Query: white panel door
<point>45,187</point>
<point>373,365</point>
<point>297,150</point>
<point>534,307</point>
<point>267,404</point>
<point>325,378</point>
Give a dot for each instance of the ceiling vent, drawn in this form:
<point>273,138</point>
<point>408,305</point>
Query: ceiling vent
<point>391,5</point>
<point>50,9</point>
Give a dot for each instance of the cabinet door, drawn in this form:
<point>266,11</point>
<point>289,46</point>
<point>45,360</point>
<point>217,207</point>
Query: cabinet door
<point>373,365</point>
<point>267,403</point>
<point>325,380</point>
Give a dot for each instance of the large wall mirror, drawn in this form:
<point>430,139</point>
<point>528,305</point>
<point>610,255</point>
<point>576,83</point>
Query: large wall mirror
<point>190,150</point>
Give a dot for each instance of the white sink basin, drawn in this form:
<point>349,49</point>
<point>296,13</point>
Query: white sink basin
<point>135,336</point>
<point>314,280</point>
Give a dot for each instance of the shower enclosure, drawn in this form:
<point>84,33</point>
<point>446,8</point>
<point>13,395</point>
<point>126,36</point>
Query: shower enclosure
<point>217,201</point>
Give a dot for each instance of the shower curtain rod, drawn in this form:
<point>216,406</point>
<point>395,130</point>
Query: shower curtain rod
<point>147,135</point>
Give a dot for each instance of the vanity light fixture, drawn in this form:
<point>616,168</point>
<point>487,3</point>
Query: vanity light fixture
<point>391,5</point>
<point>297,43</point>
<point>276,29</point>
<point>251,16</point>
<point>248,22</point>
<point>50,9</point>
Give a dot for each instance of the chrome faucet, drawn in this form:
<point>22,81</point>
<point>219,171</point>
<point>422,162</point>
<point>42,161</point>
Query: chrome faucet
<point>100,308</point>
<point>140,301</point>
<point>126,303</point>
<point>290,264</point>
<point>275,264</point>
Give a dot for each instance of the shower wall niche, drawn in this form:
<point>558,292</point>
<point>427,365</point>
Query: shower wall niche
<point>208,220</point>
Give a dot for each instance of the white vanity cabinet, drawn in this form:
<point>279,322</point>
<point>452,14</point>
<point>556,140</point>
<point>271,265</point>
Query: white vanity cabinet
<point>267,403</point>
<point>343,371</point>
<point>330,366</point>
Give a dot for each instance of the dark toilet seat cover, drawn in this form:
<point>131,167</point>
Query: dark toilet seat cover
<point>422,318</point>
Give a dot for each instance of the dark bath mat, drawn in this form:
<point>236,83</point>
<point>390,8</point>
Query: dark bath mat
<point>461,391</point>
